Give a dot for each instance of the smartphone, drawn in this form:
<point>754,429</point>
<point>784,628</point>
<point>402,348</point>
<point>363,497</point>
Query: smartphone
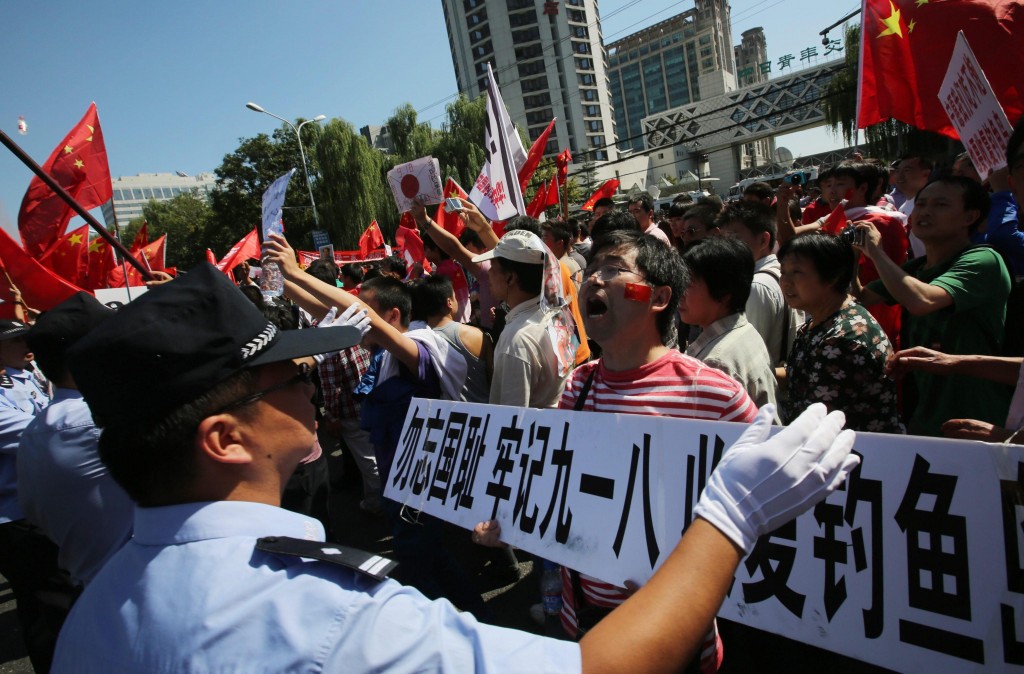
<point>453,204</point>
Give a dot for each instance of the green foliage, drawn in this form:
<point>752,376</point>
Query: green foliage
<point>185,219</point>
<point>460,144</point>
<point>410,138</point>
<point>352,187</point>
<point>242,178</point>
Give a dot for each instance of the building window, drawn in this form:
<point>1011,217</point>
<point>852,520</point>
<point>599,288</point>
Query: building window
<point>587,79</point>
<point>600,155</point>
<point>588,94</point>
<point>595,125</point>
<point>526,35</point>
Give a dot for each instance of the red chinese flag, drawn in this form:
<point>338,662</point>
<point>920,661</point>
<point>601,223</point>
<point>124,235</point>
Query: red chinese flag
<point>79,165</point>
<point>537,204</point>
<point>451,221</point>
<point>248,247</point>
<point>835,222</point>
<point>408,239</point>
<point>534,156</point>
<point>152,256</point>
<point>551,199</point>
<point>101,264</point>
<point>68,257</point>
<point>906,46</point>
<point>40,287</point>
<point>371,240</point>
<point>607,190</point>
<point>141,239</point>
<point>562,165</point>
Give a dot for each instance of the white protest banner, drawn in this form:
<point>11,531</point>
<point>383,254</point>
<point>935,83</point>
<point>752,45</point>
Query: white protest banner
<point>974,110</point>
<point>496,191</point>
<point>273,205</point>
<point>918,562</point>
<point>115,297</point>
<point>418,179</point>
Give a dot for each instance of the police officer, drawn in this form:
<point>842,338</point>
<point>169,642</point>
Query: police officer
<point>63,487</point>
<point>27,558</point>
<point>205,410</point>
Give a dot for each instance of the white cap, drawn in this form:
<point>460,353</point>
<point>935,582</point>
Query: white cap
<point>518,245</point>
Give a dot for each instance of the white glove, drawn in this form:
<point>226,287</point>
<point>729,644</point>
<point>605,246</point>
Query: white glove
<point>355,316</point>
<point>761,484</point>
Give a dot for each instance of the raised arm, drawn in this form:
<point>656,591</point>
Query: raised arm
<point>917,297</point>
<point>444,239</point>
<point>319,295</point>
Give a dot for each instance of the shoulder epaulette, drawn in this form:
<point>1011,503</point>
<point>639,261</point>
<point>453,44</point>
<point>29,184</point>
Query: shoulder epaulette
<point>373,566</point>
<point>6,381</point>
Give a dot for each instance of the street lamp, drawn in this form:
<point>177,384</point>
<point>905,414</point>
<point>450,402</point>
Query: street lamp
<point>302,153</point>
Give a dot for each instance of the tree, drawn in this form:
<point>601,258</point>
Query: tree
<point>185,220</point>
<point>410,138</point>
<point>353,189</point>
<point>246,173</point>
<point>460,144</point>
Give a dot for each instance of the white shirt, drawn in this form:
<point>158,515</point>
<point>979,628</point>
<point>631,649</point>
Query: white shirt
<point>525,365</point>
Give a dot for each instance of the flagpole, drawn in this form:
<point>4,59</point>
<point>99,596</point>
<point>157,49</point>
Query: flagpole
<point>124,265</point>
<point>70,201</point>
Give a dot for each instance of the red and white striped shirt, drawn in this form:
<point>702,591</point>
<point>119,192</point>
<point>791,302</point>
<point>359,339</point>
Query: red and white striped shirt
<point>674,385</point>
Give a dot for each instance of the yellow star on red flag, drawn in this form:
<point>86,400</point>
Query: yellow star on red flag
<point>68,149</point>
<point>892,23</point>
<point>75,239</point>
<point>79,163</point>
<point>96,246</point>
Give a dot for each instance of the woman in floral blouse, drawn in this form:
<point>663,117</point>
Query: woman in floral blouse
<point>839,355</point>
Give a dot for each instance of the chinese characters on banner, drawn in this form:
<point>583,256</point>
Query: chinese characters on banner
<point>917,560</point>
<point>974,110</point>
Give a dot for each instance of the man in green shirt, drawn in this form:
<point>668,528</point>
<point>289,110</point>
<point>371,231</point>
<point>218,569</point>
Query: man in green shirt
<point>955,301</point>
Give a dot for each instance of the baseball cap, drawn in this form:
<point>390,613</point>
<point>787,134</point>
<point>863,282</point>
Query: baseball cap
<point>518,245</point>
<point>179,340</point>
<point>12,329</point>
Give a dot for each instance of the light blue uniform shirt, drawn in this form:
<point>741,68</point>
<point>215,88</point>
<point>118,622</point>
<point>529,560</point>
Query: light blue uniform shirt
<point>65,490</point>
<point>18,405</point>
<point>190,593</point>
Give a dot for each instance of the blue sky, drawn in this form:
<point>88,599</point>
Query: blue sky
<point>171,80</point>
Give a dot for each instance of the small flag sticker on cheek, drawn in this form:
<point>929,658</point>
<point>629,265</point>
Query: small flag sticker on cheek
<point>638,292</point>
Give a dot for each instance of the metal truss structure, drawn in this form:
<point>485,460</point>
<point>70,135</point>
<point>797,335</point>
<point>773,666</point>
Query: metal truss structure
<point>772,108</point>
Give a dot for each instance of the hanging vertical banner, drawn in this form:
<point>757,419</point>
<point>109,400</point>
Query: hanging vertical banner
<point>496,191</point>
<point>917,560</point>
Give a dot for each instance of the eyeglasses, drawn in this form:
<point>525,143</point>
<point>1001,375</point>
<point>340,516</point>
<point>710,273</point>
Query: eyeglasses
<point>304,377</point>
<point>606,272</point>
<point>693,230</point>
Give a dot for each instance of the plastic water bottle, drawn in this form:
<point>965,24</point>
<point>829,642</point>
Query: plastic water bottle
<point>271,281</point>
<point>551,589</point>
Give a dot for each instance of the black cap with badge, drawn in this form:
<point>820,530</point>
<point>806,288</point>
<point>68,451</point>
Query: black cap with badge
<point>12,329</point>
<point>177,341</point>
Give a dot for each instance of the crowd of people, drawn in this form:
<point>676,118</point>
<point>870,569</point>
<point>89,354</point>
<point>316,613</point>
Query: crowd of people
<point>148,448</point>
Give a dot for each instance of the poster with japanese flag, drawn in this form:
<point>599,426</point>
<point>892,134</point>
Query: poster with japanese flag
<point>496,191</point>
<point>419,179</point>
<point>273,205</point>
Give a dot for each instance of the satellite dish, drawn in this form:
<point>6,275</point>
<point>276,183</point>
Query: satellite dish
<point>784,156</point>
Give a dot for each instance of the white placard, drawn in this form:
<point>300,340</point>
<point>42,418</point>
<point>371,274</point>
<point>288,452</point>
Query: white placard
<point>419,179</point>
<point>915,564</point>
<point>974,110</point>
<point>115,297</point>
<point>273,205</point>
<point>496,191</point>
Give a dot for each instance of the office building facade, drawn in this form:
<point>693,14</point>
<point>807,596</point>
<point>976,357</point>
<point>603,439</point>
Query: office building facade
<point>672,63</point>
<point>131,193</point>
<point>549,62</point>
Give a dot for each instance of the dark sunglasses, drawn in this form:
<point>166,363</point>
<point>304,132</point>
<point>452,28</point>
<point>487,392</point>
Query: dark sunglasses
<point>304,376</point>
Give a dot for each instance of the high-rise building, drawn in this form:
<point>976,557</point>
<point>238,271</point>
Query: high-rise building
<point>750,53</point>
<point>680,60</point>
<point>549,62</point>
<point>131,193</point>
